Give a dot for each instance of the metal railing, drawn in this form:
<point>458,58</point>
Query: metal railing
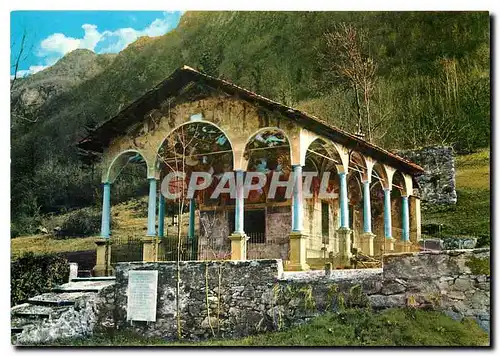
<point>126,248</point>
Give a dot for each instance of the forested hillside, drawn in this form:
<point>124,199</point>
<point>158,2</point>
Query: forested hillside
<point>431,86</point>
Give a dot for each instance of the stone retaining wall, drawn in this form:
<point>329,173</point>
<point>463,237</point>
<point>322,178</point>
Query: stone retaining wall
<point>239,298</point>
<point>437,184</point>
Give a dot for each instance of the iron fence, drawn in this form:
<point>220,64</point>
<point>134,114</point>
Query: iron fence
<point>260,246</point>
<point>173,247</point>
<point>126,249</point>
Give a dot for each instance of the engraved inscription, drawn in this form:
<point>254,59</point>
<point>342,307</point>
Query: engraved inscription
<point>141,295</point>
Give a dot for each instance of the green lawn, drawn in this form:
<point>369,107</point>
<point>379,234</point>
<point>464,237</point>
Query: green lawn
<point>471,215</point>
<point>391,327</point>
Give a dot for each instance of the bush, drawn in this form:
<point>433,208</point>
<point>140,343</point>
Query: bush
<point>81,223</point>
<point>35,274</point>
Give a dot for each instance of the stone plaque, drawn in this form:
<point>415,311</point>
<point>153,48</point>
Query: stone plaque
<point>141,295</point>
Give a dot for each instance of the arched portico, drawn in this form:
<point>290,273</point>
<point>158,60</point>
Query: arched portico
<point>189,97</point>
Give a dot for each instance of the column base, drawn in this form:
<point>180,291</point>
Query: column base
<point>345,245</point>
<point>297,254</point>
<point>238,246</point>
<point>150,249</point>
<point>103,267</point>
<point>403,246</point>
<point>388,245</point>
<point>367,243</point>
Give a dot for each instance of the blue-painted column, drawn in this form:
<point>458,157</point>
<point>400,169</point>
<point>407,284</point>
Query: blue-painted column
<point>387,213</point>
<point>406,219</point>
<point>297,204</point>
<point>367,209</point>
<point>344,208</point>
<point>192,212</point>
<point>239,207</point>
<point>152,208</point>
<point>106,211</point>
<point>161,215</point>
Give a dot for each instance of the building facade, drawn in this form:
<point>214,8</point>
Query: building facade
<point>361,197</point>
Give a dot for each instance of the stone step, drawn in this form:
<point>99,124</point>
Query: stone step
<point>37,311</point>
<point>57,299</point>
<point>85,279</point>
<point>91,285</point>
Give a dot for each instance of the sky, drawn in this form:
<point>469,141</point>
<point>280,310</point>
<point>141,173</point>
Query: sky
<point>52,34</point>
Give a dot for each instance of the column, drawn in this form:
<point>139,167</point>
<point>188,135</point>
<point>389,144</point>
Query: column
<point>415,218</point>
<point>406,219</point>
<point>239,205</point>
<point>367,238</point>
<point>297,203</point>
<point>152,208</point>
<point>106,211</point>
<point>161,215</point>
<point>238,237</point>
<point>387,214</point>
<point>344,208</point>
<point>297,256</point>
<point>192,212</point>
<point>150,246</point>
<point>103,250</point>
<point>367,213</point>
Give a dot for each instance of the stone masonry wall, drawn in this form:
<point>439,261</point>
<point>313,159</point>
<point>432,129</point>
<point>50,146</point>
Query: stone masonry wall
<point>239,298</point>
<point>437,184</point>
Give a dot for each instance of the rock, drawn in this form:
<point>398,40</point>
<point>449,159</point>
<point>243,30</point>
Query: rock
<point>432,244</point>
<point>456,295</point>
<point>437,184</point>
<point>378,301</point>
<point>41,230</point>
<point>392,288</point>
<point>455,243</point>
<point>209,322</point>
<point>462,284</point>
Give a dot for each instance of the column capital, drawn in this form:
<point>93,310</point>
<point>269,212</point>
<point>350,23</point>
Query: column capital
<point>387,189</point>
<point>366,181</point>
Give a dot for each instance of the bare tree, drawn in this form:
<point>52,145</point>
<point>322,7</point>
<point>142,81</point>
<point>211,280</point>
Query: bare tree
<point>345,62</point>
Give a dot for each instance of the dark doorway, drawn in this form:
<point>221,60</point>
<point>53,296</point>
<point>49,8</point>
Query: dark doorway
<point>254,226</point>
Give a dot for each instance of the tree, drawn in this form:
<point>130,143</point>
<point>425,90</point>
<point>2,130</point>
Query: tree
<point>345,63</point>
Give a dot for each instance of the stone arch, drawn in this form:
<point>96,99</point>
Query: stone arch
<point>173,130</point>
<point>243,159</point>
<point>403,182</point>
<point>118,163</point>
<point>329,152</point>
<point>210,152</point>
<point>380,174</point>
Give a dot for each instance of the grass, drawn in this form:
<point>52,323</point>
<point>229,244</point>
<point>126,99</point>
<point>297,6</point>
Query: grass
<point>391,327</point>
<point>40,244</point>
<point>130,218</point>
<point>471,215</point>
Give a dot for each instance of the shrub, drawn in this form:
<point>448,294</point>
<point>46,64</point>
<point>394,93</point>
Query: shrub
<point>35,274</point>
<point>81,223</point>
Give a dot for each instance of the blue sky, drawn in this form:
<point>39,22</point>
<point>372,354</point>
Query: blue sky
<point>52,34</point>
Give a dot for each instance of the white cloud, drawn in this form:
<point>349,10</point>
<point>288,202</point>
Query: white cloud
<point>57,45</point>
<point>26,72</point>
<point>121,38</point>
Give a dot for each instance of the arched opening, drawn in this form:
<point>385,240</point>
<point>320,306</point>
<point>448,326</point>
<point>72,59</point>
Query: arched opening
<point>357,174</point>
<point>267,217</point>
<point>398,189</point>
<point>378,183</point>
<point>198,225</point>
<point>129,196</point>
<point>321,211</point>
